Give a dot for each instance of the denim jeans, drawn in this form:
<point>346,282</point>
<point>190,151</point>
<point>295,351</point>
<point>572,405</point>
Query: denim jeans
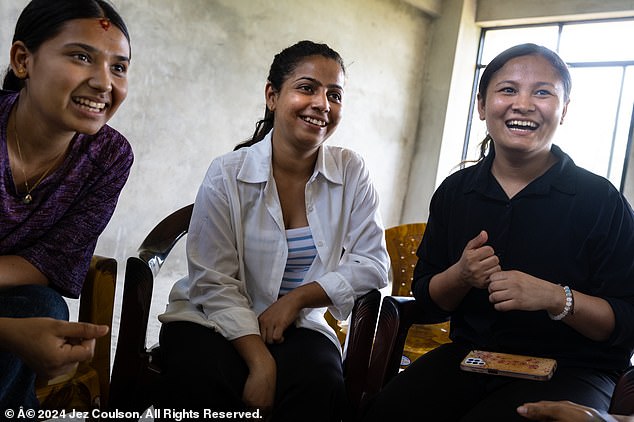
<point>17,381</point>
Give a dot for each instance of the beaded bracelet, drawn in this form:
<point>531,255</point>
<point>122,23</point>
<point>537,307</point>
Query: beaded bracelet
<point>569,307</point>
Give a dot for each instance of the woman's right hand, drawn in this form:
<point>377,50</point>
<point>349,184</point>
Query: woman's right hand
<point>477,263</point>
<point>448,288</point>
<point>259,389</point>
<point>48,346</point>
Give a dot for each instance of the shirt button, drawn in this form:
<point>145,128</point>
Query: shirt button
<point>320,243</point>
<point>310,209</point>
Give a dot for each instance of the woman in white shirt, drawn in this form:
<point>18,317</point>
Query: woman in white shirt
<point>283,228</point>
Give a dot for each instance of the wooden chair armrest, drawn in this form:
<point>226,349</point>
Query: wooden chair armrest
<point>359,344</point>
<point>397,315</point>
<point>160,241</point>
<point>131,353</point>
<point>623,397</point>
<point>97,306</point>
<point>134,366</point>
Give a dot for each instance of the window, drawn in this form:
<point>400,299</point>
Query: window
<point>600,56</point>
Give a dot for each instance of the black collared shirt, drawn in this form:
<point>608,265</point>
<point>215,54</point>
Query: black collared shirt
<point>569,226</point>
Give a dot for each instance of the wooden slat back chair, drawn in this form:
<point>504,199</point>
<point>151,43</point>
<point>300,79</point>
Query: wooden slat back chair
<point>403,333</point>
<point>137,369</point>
<point>88,387</point>
<point>402,245</point>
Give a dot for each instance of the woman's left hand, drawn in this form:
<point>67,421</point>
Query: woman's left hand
<point>277,318</point>
<point>284,312</point>
<point>515,290</point>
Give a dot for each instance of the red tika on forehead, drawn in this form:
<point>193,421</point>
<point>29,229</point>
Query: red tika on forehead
<point>105,23</point>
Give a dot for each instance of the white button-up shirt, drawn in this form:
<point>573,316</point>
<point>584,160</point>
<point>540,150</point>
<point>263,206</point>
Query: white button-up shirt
<point>237,248</point>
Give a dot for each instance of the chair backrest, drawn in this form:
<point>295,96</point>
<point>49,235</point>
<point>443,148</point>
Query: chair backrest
<point>89,386</point>
<point>402,243</point>
<point>363,319</point>
<point>400,330</point>
<point>409,338</point>
<point>136,370</point>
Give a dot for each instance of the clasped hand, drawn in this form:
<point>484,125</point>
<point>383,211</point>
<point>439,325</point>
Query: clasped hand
<point>277,318</point>
<point>479,267</point>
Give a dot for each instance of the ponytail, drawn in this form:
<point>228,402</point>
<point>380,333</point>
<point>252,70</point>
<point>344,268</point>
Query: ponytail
<point>12,82</point>
<point>262,128</point>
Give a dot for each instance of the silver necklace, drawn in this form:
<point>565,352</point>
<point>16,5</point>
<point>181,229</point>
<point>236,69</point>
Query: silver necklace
<point>28,198</point>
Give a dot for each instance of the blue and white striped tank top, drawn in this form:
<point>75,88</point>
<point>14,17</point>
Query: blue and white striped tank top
<point>301,254</point>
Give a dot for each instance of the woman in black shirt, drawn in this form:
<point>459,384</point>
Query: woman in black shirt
<point>529,254</point>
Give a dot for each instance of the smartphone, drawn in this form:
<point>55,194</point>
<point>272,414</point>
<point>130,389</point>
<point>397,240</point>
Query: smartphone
<point>518,366</point>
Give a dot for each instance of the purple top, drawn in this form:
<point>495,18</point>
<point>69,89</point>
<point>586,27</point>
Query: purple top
<point>57,232</point>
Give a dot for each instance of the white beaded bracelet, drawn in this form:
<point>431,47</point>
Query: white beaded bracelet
<point>569,307</point>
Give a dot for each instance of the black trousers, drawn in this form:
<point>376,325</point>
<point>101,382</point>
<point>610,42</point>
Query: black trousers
<point>434,388</point>
<point>204,371</point>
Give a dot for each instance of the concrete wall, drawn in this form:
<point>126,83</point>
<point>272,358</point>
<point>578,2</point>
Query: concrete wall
<point>491,12</point>
<point>445,104</point>
<point>197,88</point>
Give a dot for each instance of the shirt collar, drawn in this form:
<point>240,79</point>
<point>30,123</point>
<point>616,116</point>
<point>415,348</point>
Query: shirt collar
<point>256,167</point>
<point>561,176</point>
<point>327,165</point>
<point>257,163</point>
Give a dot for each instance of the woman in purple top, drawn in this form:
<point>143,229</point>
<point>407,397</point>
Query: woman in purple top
<point>61,167</point>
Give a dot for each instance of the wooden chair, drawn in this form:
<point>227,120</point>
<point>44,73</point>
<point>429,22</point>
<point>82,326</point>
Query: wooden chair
<point>88,387</point>
<point>404,332</point>
<point>136,370</point>
<point>402,244</point>
<point>136,373</point>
